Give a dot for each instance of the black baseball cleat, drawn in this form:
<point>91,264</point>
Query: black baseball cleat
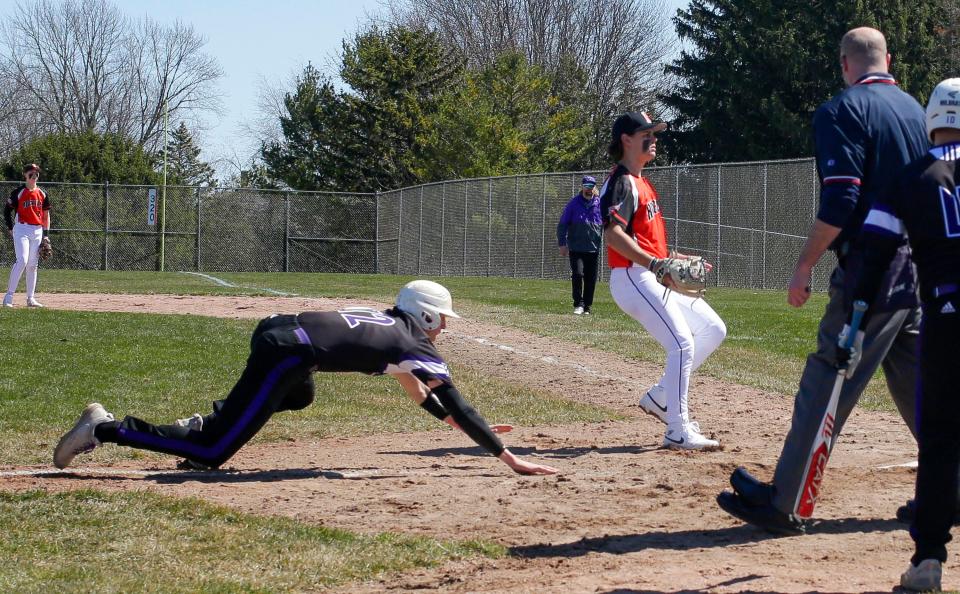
<point>908,510</point>
<point>765,516</point>
<point>187,464</point>
<point>752,502</point>
<point>750,489</point>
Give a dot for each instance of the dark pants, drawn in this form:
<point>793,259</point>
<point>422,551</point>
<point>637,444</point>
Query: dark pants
<point>890,341</point>
<point>276,378</point>
<point>583,273</point>
<point>938,416</point>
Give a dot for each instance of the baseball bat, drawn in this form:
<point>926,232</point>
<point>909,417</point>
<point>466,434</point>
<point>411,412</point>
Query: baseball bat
<point>820,451</point>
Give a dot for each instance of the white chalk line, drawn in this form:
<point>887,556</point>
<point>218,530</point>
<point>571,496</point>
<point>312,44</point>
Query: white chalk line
<point>478,339</point>
<point>910,464</point>
<point>224,283</point>
<point>226,474</point>
<point>543,359</point>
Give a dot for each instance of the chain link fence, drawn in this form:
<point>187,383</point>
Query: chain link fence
<point>749,219</point>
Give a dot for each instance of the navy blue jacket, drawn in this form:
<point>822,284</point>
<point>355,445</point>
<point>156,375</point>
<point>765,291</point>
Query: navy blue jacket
<point>581,225</point>
<point>864,136</point>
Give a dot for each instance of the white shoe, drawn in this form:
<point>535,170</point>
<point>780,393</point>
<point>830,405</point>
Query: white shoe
<point>578,310</point>
<point>687,437</point>
<point>8,300</point>
<point>80,439</point>
<point>923,577</point>
<point>194,423</point>
<point>650,406</point>
<point>33,303</point>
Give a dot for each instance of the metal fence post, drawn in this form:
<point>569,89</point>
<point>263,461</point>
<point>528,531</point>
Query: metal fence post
<point>106,225</point>
<point>199,213</point>
<point>286,231</point>
<point>489,222</point>
<point>763,245</point>
<point>719,174</point>
<point>420,233</point>
<point>399,229</point>
<point>543,224</point>
<point>376,232</point>
<point>676,238</point>
<point>443,207</point>
<point>516,221</point>
<point>466,206</point>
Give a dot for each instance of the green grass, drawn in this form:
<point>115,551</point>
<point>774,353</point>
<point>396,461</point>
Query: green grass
<point>90,541</point>
<point>160,367</point>
<point>766,346</point>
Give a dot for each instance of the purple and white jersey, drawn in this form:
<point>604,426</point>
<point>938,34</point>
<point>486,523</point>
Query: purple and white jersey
<point>374,342</point>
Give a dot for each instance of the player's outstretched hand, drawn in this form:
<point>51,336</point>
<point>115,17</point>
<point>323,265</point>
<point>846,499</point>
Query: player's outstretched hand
<point>521,466</point>
<point>501,428</point>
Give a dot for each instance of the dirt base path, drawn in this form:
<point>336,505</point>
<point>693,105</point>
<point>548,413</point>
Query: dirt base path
<point>623,516</point>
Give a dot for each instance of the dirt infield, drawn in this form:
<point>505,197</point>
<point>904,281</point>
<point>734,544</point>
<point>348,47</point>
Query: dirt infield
<point>624,515</point>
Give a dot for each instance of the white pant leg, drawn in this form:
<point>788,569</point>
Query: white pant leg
<point>640,296</point>
<point>26,246</point>
<point>707,327</point>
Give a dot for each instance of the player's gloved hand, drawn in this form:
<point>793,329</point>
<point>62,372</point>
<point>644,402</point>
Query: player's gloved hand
<point>848,357</point>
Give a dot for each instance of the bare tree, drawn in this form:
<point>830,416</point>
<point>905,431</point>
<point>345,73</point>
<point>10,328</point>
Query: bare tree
<point>73,66</point>
<point>620,45</point>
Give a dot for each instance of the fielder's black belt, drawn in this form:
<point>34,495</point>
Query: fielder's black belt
<point>945,289</point>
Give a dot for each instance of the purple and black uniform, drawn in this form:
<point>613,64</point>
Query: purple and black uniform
<point>925,205</point>
<point>284,351</point>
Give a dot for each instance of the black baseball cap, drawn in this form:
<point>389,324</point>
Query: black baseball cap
<point>632,121</point>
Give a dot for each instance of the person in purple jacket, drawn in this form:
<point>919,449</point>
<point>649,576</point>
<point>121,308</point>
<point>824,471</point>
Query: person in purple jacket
<point>578,235</point>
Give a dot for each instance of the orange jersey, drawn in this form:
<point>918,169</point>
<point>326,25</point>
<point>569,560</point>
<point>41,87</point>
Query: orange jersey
<point>30,206</point>
<point>630,201</point>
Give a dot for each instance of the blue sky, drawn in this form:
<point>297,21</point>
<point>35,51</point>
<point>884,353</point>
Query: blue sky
<point>257,41</point>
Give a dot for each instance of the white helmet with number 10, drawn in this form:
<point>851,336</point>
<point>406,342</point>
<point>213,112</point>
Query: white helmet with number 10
<point>426,301</point>
<point>943,109</point>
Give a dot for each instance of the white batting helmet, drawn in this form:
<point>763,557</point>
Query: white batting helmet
<point>943,109</point>
<point>425,301</point>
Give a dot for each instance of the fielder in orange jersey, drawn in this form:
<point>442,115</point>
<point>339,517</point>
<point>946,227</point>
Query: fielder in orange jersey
<point>27,214</point>
<point>687,327</point>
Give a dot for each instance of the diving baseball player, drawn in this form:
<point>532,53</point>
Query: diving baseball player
<point>284,351</point>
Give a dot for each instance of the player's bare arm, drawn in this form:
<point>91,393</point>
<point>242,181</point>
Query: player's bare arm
<point>423,393</point>
<point>818,241</point>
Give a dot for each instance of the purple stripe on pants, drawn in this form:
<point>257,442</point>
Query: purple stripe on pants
<point>194,450</point>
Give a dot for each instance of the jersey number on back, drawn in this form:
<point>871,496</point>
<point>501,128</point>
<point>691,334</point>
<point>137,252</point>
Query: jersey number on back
<point>951,211</point>
<point>354,316</point>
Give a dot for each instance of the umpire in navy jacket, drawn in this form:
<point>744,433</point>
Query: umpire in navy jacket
<point>578,235</point>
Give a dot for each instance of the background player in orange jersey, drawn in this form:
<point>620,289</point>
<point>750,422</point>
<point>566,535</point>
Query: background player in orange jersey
<point>27,214</point>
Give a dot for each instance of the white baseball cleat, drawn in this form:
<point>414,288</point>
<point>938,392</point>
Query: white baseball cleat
<point>686,436</point>
<point>923,577</point>
<point>650,406</point>
<point>33,303</point>
<point>80,439</point>
<point>8,300</point>
<point>194,423</point>
<point>578,310</point>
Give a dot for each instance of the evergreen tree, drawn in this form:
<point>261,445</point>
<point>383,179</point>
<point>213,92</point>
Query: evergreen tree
<point>316,150</point>
<point>85,157</point>
<point>504,119</point>
<point>184,166</point>
<point>757,69</point>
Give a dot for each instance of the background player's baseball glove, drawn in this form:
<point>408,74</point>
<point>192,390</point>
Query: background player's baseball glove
<point>687,275</point>
<point>46,250</point>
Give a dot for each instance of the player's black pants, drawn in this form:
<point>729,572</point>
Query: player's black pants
<point>938,418</point>
<point>277,378</point>
<point>583,273</point>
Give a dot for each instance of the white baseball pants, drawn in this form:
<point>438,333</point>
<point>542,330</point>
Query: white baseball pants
<point>26,245</point>
<point>687,328</point>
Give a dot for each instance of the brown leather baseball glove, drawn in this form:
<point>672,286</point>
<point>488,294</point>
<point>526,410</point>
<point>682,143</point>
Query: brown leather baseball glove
<point>46,250</point>
<point>683,275</point>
